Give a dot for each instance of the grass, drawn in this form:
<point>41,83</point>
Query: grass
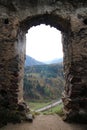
<point>34,105</point>
<point>55,110</point>
<point>37,105</point>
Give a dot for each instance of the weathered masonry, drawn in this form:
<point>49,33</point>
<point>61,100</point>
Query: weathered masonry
<point>16,17</point>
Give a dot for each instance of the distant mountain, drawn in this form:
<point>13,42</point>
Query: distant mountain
<point>57,60</point>
<point>54,61</point>
<point>31,61</point>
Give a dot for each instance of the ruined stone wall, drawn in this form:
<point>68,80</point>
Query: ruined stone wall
<point>16,17</point>
<point>9,68</point>
<point>75,67</point>
<point>12,57</point>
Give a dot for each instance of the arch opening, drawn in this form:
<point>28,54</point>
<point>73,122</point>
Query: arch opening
<point>45,78</point>
<point>47,19</point>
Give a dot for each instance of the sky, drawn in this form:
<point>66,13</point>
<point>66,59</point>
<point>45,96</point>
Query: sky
<point>43,43</point>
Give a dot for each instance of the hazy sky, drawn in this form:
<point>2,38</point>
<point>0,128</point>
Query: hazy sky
<point>44,43</point>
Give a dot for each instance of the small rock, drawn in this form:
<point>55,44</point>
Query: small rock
<point>29,117</point>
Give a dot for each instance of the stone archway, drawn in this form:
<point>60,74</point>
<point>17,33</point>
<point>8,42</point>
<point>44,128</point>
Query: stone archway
<point>16,17</point>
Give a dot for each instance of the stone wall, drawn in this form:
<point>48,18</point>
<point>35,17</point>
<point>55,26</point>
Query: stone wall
<point>12,56</point>
<point>75,67</point>
<point>16,17</point>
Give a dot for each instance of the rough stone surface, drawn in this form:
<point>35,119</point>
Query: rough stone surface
<point>16,17</point>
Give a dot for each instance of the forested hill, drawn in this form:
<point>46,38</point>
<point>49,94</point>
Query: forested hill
<point>43,82</point>
<point>48,71</point>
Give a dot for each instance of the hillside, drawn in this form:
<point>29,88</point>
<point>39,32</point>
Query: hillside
<point>31,61</point>
<point>43,82</point>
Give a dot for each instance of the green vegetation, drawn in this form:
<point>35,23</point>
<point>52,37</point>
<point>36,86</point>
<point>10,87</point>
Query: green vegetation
<point>55,110</point>
<point>37,105</point>
<point>52,70</point>
<point>42,85</point>
<point>43,82</point>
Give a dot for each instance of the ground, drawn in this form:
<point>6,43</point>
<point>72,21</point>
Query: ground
<point>45,122</point>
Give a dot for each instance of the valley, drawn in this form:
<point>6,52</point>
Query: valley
<point>43,82</point>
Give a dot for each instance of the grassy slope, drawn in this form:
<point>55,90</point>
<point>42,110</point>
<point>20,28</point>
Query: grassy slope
<point>37,105</point>
<point>55,110</point>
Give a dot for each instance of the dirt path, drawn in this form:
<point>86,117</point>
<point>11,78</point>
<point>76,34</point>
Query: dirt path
<point>45,122</point>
